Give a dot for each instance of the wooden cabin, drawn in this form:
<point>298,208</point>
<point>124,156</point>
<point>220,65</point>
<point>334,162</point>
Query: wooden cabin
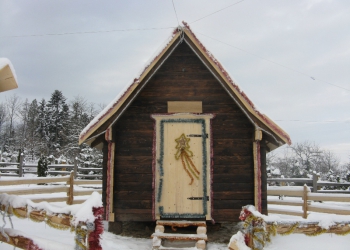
<point>7,75</point>
<point>183,141</point>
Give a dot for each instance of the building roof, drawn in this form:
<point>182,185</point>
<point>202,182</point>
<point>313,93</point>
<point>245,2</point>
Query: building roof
<point>8,79</point>
<point>107,117</point>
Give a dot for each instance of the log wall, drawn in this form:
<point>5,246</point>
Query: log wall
<point>183,77</point>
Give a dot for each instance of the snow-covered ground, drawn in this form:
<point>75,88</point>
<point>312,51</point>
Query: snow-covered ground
<point>65,239</point>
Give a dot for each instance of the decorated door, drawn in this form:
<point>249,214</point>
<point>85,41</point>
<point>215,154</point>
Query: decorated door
<point>182,166</point>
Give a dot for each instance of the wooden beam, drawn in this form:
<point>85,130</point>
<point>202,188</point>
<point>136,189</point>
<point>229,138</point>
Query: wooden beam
<point>185,107</point>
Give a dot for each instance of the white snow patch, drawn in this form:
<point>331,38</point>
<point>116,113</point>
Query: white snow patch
<point>238,239</point>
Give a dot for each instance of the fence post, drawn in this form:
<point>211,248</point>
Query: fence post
<point>71,189</point>
<point>75,168</point>
<point>20,166</point>
<point>305,202</point>
<point>314,182</point>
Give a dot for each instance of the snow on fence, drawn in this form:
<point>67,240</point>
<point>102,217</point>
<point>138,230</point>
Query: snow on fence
<point>314,183</point>
<point>68,187</point>
<point>21,168</point>
<point>258,229</point>
<point>84,219</point>
<point>306,195</point>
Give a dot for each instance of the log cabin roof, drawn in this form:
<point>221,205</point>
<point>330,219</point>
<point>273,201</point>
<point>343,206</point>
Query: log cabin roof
<point>7,75</point>
<point>94,131</point>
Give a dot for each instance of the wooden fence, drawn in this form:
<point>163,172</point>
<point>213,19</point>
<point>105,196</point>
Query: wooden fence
<point>67,187</point>
<point>21,168</point>
<point>88,230</point>
<point>306,195</point>
<point>314,183</point>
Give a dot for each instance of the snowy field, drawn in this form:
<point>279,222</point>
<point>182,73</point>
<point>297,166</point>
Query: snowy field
<point>65,240</point>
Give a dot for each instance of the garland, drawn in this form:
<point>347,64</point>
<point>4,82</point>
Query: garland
<point>254,229</point>
<point>184,152</point>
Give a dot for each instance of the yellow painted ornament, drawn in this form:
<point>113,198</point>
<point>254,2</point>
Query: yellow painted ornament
<point>184,153</point>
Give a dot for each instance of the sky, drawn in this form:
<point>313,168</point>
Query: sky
<point>292,58</point>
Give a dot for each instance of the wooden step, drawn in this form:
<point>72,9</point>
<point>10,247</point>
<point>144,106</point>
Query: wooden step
<point>193,237</point>
<point>181,223</point>
<point>178,248</point>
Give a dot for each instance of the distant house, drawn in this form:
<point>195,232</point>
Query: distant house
<point>7,75</point>
<point>183,141</point>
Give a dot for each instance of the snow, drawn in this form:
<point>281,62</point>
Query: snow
<point>81,213</point>
<point>52,239</point>
<point>238,239</point>
<point>276,172</point>
<point>4,62</point>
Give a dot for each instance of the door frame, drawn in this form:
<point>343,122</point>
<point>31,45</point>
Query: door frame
<point>157,168</point>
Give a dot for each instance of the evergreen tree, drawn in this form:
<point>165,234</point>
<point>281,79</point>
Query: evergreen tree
<point>57,121</point>
<point>32,126</point>
<point>42,127</point>
<point>42,166</point>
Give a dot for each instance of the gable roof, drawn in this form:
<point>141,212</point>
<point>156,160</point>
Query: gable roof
<point>112,112</point>
<point>7,75</point>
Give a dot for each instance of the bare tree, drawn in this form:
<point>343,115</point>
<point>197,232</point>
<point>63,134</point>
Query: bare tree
<point>13,105</point>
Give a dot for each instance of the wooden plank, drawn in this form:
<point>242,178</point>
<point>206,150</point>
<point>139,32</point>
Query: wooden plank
<point>9,169</point>
<point>234,177</point>
<point>185,107</point>
<point>133,204</point>
<point>168,236</point>
<point>34,181</point>
<point>231,204</point>
<point>140,216</point>
<point>299,180</point>
<point>181,223</point>
<point>90,175</point>
<point>48,199</point>
<point>285,202</point>
<point>297,192</point>
<point>144,178</point>
<point>285,211</point>
<point>329,210</point>
<point>133,169</point>
<point>133,186</point>
<point>232,195</point>
<point>328,197</point>
<point>87,182</point>
<point>133,195</point>
<point>17,241</point>
<point>41,190</point>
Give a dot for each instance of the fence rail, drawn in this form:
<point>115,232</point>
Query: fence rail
<point>67,180</point>
<point>306,195</point>
<point>314,183</point>
<point>65,169</point>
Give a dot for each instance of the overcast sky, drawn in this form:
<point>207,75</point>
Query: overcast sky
<point>286,55</point>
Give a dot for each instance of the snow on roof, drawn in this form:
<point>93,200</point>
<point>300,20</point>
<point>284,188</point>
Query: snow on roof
<point>6,62</point>
<point>115,104</point>
<point>265,119</point>
<point>120,97</point>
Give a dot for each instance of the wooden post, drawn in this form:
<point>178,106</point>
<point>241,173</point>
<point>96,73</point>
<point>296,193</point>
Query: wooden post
<point>20,166</point>
<point>75,167</point>
<point>314,182</point>
<point>305,202</point>
<point>70,193</point>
